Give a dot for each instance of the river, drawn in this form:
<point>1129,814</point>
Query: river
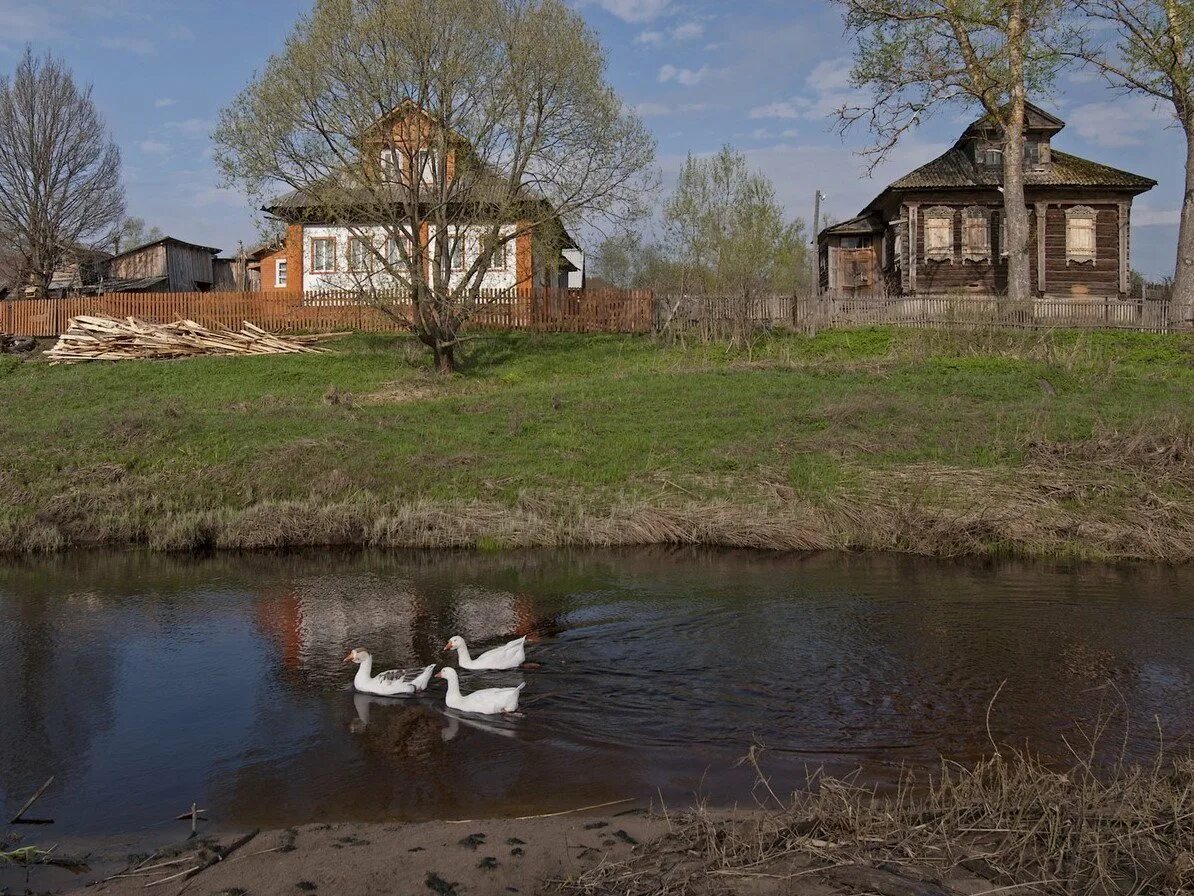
<point>146,683</point>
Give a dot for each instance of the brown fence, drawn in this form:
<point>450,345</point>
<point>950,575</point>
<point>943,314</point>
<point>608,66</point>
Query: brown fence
<point>553,310</point>
<point>719,316</point>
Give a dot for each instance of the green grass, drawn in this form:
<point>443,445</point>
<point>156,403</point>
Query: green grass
<point>579,425</point>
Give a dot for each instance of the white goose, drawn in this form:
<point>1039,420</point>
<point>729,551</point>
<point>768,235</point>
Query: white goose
<point>386,684</point>
<point>489,701</point>
<point>508,656</point>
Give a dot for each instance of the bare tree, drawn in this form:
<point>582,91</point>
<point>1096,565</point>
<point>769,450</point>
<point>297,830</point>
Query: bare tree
<point>424,121</point>
<point>59,169</point>
<point>917,56</point>
<point>131,233</point>
<point>1154,56</point>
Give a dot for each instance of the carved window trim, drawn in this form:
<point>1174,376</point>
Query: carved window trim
<point>1088,218</point>
<point>982,252</point>
<point>936,214</point>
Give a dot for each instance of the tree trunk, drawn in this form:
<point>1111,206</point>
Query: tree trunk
<point>1019,275</point>
<point>1181,303</point>
<point>445,358</point>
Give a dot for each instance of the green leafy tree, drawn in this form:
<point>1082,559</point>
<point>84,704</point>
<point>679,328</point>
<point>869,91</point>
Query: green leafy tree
<point>514,91</point>
<point>1152,54</point>
<point>916,57</point>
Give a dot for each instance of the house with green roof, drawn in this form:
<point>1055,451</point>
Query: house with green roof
<point>940,228</point>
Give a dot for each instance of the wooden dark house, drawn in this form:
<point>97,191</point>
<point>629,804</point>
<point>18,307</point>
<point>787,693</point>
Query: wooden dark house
<point>940,229</point>
<point>165,265</point>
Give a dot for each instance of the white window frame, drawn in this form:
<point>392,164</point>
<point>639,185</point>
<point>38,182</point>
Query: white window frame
<point>425,159</point>
<point>280,273</point>
<point>1089,219</point>
<point>367,255</point>
<point>938,213</point>
<point>971,252</point>
<point>315,255</point>
<point>393,164</point>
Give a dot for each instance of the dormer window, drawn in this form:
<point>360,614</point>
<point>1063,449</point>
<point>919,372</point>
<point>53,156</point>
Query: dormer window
<point>989,155</point>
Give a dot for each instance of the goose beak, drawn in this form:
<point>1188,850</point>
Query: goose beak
<point>439,674</point>
<point>447,647</point>
<point>347,659</point>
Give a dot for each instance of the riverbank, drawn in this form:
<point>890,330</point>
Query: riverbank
<point>949,444</point>
<point>1004,824</point>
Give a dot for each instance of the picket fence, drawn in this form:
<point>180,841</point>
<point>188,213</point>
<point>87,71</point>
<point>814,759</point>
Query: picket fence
<point>718,316</point>
<point>549,310</point>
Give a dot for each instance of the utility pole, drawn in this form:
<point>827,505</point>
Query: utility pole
<point>816,253</point>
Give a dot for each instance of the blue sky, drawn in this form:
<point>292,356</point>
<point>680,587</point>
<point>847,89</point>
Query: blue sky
<point>762,75</point>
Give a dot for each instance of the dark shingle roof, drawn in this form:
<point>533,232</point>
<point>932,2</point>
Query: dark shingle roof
<point>956,169</point>
<point>863,224</point>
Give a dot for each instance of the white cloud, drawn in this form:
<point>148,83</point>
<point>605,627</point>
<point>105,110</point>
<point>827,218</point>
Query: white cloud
<point>192,127</point>
<point>1145,217</point>
<point>827,90</point>
<point>27,21</point>
<point>635,11</point>
<point>676,34</point>
<point>685,77</point>
<point>793,108</point>
<point>164,102</point>
<point>653,110</point>
<point>153,147</point>
<point>1124,122</point>
<point>125,44</point>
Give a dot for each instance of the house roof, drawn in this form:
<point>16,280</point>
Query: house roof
<point>957,168</point>
<point>1035,119</point>
<point>863,224</point>
<point>167,239</point>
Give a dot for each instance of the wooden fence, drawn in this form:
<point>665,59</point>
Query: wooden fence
<point>550,310</point>
<point>721,316</point>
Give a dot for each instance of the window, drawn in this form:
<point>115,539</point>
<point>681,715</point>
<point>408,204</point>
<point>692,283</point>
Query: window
<point>393,256</point>
<point>1002,235</point>
<point>323,255</point>
<point>427,166</point>
<point>391,166</point>
<point>358,255</point>
<point>939,234</point>
<point>989,155</point>
<point>279,272</point>
<point>976,234</point>
<point>498,260</point>
<point>1080,233</point>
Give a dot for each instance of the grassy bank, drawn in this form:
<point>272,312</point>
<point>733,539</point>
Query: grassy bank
<point>1052,445</point>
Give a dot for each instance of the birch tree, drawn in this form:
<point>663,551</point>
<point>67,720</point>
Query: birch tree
<point>1153,55</point>
<point>59,169</point>
<point>917,57</point>
<point>515,122</point>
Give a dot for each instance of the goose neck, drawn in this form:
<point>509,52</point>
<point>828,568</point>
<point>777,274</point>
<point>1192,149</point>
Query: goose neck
<point>365,671</point>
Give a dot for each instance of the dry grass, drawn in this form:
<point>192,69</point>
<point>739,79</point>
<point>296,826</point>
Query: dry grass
<point>1008,824</point>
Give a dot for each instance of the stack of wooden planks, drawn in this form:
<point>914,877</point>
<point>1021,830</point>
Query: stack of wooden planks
<point>111,339</point>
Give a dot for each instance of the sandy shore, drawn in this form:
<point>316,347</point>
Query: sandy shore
<point>443,858</point>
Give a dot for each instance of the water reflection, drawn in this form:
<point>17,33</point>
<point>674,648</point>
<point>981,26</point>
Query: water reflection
<point>145,683</point>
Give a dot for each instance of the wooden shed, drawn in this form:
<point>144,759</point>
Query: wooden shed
<point>165,265</point>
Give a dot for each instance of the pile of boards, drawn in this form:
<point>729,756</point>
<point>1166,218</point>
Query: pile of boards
<point>95,338</point>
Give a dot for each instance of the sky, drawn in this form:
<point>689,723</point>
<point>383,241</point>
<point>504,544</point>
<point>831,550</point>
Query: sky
<point>761,75</point>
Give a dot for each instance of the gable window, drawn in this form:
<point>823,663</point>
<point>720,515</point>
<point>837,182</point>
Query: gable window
<point>989,155</point>
<point>358,255</point>
<point>939,233</point>
<point>426,163</point>
<point>391,166</point>
<point>323,255</point>
<point>976,234</point>
<point>279,272</point>
<point>1080,243</point>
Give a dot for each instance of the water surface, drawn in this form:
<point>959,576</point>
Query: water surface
<point>144,683</point>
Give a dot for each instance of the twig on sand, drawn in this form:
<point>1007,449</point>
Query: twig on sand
<point>548,814</point>
<point>17,819</point>
<point>166,880</point>
<point>219,856</point>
